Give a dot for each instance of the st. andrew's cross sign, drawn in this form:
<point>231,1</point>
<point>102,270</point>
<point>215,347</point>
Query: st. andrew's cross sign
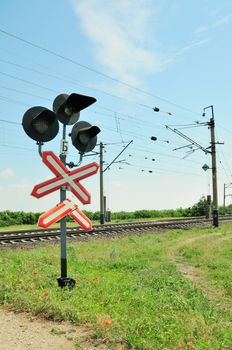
<point>70,179</point>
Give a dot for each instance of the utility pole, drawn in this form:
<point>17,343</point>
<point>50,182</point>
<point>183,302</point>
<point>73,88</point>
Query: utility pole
<point>211,125</point>
<point>208,208</point>
<point>104,206</point>
<point>214,167</point>
<point>224,198</point>
<point>102,201</point>
<point>102,216</point>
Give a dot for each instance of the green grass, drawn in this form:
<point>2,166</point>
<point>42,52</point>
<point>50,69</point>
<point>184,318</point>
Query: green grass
<point>129,289</point>
<point>212,257</point>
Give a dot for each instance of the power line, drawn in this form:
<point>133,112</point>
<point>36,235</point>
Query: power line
<point>58,78</point>
<point>9,122</point>
<point>17,147</point>
<point>161,170</point>
<point>85,86</point>
<point>67,80</point>
<point>135,136</point>
<point>8,99</point>
<point>127,116</point>
<point>225,129</point>
<point>24,92</point>
<point>55,77</point>
<point>227,165</point>
<point>135,120</point>
<point>34,95</point>
<point>28,82</point>
<point>65,58</point>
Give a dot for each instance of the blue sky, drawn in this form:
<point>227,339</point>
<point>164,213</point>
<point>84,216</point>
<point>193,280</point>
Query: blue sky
<point>131,56</point>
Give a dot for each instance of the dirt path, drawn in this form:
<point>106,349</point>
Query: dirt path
<point>20,331</point>
<point>194,274</point>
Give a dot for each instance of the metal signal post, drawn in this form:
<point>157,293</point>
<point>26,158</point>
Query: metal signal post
<point>102,209</point>
<point>63,280</point>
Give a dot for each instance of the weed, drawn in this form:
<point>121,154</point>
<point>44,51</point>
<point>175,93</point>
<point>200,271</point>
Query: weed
<point>57,331</point>
<point>135,296</point>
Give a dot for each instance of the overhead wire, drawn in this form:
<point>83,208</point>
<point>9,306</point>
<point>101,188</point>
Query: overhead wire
<point>58,78</point>
<point>8,99</point>
<point>132,134</point>
<point>138,136</point>
<point>130,117</point>
<point>67,80</point>
<point>27,82</point>
<point>25,93</point>
<point>85,67</point>
<point>133,148</point>
<point>49,89</point>
<point>226,162</point>
<point>94,70</point>
<point>9,122</point>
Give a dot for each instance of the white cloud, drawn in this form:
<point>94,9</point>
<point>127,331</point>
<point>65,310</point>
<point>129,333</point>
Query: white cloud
<point>7,173</point>
<point>124,40</point>
<point>216,24</point>
<point>202,29</point>
<point>223,20</point>
<point>120,32</point>
<point>186,48</point>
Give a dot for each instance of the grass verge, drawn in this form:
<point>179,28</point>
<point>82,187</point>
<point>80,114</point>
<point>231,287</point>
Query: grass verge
<point>128,289</point>
<point>211,257</point>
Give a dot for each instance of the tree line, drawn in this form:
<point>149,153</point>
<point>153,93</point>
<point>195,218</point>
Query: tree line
<point>8,218</point>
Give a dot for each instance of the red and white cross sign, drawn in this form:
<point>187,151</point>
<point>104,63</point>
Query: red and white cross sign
<point>65,177</point>
<point>60,211</point>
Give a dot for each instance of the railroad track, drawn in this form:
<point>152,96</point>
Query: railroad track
<point>9,238</point>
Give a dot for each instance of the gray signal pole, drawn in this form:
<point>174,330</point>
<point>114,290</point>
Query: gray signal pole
<point>102,211</point>
<point>63,228</point>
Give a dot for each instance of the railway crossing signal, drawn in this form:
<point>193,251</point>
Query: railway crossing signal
<point>84,136</point>
<point>42,125</point>
<point>67,107</point>
<point>67,207</point>
<point>65,177</point>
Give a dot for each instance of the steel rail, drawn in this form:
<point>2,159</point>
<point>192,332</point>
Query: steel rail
<point>38,235</point>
